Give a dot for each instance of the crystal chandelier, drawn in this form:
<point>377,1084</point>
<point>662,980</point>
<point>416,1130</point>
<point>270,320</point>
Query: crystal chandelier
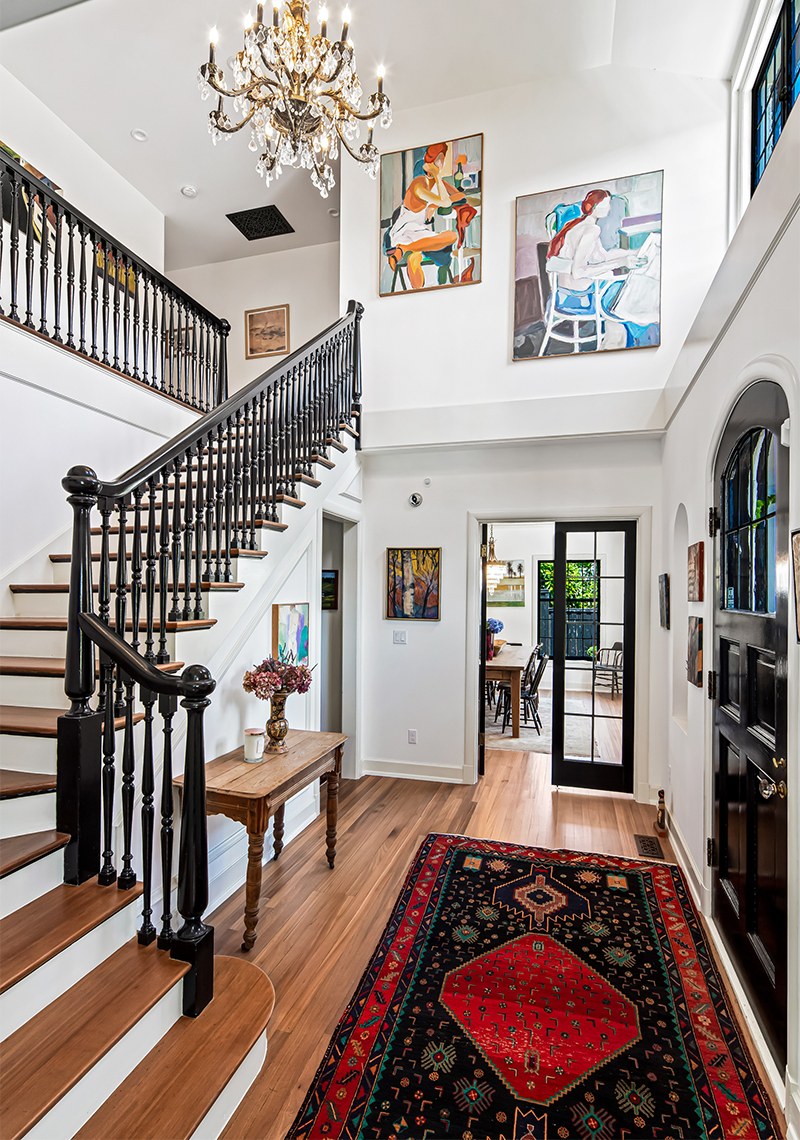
<point>495,569</point>
<point>300,94</point>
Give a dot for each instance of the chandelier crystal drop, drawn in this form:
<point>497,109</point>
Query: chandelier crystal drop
<point>299,93</point>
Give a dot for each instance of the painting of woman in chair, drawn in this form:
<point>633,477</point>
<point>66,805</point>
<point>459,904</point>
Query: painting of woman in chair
<point>430,216</point>
<point>588,268</point>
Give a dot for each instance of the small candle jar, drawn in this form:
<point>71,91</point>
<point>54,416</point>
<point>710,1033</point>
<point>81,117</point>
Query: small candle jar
<point>253,744</point>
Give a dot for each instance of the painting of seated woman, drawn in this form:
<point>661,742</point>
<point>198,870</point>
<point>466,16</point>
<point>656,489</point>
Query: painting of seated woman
<point>431,216</point>
<point>588,268</point>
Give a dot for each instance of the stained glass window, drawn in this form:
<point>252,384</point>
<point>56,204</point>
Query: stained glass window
<point>777,87</point>
<point>749,534</point>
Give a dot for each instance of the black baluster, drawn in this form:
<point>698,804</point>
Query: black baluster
<point>237,533</point>
<point>104,596</point>
<point>136,566</point>
<point>121,593</point>
<point>44,268</point>
<point>70,281</point>
<point>14,246</point>
<point>175,613</point>
<point>188,535</point>
<point>245,536</point>
<point>108,874</point>
<point>29,261</point>
<point>198,614</point>
<point>145,328</point>
<point>292,454</point>
<point>222,379</point>
<point>126,314</point>
<point>164,340</point>
<point>97,255</point>
<point>214,372</point>
<point>271,436</point>
<point>194,942</point>
<point>150,572</point>
<point>82,290</point>
<point>59,215</point>
<point>220,504</point>
<point>163,570</point>
<point>147,932</point>
<point>357,370</point>
<point>260,455</point>
<point>171,345</point>
<point>209,535</point>
<point>228,497</point>
<point>280,442</point>
<point>167,706</point>
<point>202,370</point>
<point>116,261</point>
<point>127,877</point>
<point>106,304</point>
<point>194,360</point>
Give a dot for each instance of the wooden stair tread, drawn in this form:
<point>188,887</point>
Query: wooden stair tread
<point>173,1088</point>
<point>331,442</point>
<point>56,667</point>
<point>290,501</point>
<point>268,524</point>
<point>325,462</point>
<point>43,928</point>
<point>20,850</point>
<point>19,720</point>
<point>349,430</point>
<point>63,587</point>
<point>13,784</point>
<point>55,623</point>
<point>48,1055</point>
<point>307,480</point>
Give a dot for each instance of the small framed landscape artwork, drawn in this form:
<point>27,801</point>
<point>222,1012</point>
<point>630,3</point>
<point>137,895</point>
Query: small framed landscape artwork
<point>266,332</point>
<point>431,203</point>
<point>696,568</point>
<point>587,272</point>
<point>412,583</point>
<point>663,600</point>
<point>796,577</point>
<point>694,659</point>
<point>330,589</point>
<point>290,632</point>
<point>510,590</point>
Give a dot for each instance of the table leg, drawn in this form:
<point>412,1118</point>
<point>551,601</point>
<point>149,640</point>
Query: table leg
<point>516,697</point>
<point>333,813</point>
<point>277,831</point>
<point>255,851</point>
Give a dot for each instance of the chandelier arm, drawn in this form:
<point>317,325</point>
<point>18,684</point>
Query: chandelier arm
<point>342,105</point>
<point>348,148</point>
<point>234,128</point>
<point>239,91</point>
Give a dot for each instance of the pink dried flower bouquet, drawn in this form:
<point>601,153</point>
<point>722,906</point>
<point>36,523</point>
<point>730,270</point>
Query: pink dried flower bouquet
<point>273,676</point>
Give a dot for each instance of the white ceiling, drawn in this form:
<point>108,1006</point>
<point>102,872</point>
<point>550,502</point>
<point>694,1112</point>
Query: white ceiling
<point>133,64</point>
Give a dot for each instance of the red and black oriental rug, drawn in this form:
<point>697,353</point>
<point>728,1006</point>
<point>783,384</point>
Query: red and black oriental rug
<point>519,992</point>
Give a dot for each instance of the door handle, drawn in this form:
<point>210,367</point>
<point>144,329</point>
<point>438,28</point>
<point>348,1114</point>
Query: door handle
<point>768,788</point>
<point>778,763</point>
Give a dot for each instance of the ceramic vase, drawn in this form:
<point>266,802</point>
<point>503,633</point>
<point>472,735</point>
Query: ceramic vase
<point>277,725</point>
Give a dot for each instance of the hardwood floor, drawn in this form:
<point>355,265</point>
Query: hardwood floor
<point>319,927</point>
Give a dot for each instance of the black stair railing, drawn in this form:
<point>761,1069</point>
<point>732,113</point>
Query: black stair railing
<point>64,278</point>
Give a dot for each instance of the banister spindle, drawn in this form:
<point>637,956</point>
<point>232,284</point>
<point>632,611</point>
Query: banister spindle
<point>97,254</point>
<point>136,566</point>
<point>188,535</point>
<point>104,595</point>
<point>201,368</point>
<point>14,246</point>
<point>116,262</point>
<point>108,874</point>
<point>167,706</point>
<point>127,876</point>
<point>163,569</point>
<point>357,369</point>
<point>260,455</point>
<point>197,613</point>
<point>248,534</point>
<point>194,359</point>
<point>177,531</point>
<point>171,345</point>
<point>82,290</point>
<point>209,528</point>
<point>121,592</point>
<point>150,572</point>
<point>29,261</point>
<point>164,351</point>
<point>228,497</point>
<point>237,533</point>
<point>105,252</point>
<point>147,932</point>
<point>70,280</point>
<point>146,328</point>
<point>220,505</point>
<point>44,269</point>
<point>59,216</point>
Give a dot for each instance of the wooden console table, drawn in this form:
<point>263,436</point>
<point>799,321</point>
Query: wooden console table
<point>252,793</point>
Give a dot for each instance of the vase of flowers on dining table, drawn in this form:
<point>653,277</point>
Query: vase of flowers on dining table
<point>274,681</point>
<point>493,627</point>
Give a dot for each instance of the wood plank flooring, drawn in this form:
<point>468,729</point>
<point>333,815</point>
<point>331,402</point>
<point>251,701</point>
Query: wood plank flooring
<point>319,927</point>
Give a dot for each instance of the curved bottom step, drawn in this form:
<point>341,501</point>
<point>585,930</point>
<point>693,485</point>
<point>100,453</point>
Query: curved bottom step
<point>191,1082</point>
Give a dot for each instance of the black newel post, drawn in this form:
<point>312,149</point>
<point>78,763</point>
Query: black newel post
<point>222,372</point>
<point>79,729</point>
<point>357,370</point>
<point>194,942</point>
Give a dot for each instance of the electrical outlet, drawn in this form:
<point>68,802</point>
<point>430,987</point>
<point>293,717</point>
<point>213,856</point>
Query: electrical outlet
<point>399,637</point>
<point>412,736</point>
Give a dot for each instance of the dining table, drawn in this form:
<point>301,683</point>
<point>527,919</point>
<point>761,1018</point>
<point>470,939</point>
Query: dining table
<point>508,664</point>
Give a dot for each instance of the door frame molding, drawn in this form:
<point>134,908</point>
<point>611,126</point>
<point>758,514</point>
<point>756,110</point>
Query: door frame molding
<point>643,791</point>
<point>786,1085</point>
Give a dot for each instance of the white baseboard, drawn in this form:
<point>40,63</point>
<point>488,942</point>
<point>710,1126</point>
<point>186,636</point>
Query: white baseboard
<point>694,876</point>
<point>401,770</point>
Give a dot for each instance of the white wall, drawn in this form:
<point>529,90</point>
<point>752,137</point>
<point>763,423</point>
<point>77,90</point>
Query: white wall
<point>448,352</point>
<point>36,133</point>
<point>330,667</point>
<point>526,542</point>
<point>427,679</point>
<point>307,279</point>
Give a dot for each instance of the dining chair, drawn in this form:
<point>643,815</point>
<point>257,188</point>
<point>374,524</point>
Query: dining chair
<point>607,667</point>
<point>504,689</point>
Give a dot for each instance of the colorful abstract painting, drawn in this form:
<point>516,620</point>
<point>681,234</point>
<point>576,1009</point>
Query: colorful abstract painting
<point>23,204</point>
<point>412,583</point>
<point>694,658</point>
<point>431,198</point>
<point>510,590</point>
<point>290,632</point>
<point>588,268</point>
<point>695,572</point>
<point>330,589</point>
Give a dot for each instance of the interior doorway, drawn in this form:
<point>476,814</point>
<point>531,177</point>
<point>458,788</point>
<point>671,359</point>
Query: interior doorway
<point>331,656</point>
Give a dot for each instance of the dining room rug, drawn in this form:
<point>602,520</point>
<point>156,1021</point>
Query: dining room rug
<point>521,992</point>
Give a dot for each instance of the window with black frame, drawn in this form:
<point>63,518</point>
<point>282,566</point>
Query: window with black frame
<point>583,608</point>
<point>776,88</point>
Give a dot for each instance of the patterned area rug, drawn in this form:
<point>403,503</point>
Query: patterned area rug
<point>519,992</point>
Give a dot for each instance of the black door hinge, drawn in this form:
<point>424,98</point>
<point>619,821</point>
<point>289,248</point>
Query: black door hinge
<point>712,685</point>
<point>710,853</point>
<point>713,521</point>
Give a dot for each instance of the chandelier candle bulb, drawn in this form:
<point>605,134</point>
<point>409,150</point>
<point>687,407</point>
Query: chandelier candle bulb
<point>323,23</point>
<point>212,47</point>
<point>345,24</point>
<point>275,8</point>
<point>381,73</point>
<point>260,13</point>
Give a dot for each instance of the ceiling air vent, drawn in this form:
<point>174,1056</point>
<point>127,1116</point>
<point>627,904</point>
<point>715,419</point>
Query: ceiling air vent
<point>263,222</point>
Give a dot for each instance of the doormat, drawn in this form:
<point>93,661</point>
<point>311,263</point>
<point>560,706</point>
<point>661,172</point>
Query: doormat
<point>648,846</point>
<point>520,992</point>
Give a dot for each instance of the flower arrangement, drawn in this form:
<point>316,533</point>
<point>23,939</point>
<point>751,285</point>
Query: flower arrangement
<point>273,676</point>
<point>494,625</point>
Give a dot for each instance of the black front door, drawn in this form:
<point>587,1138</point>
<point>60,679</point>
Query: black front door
<point>750,721</point>
<point>594,618</point>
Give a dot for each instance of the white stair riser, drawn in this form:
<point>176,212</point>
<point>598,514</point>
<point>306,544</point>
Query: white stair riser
<point>17,751</point>
<point>61,572</point>
<point>34,692</point>
<point>84,1099</point>
<point>33,642</point>
<point>24,1000</point>
<point>44,604</point>
<point>214,1121</point>
<point>23,814</point>
<point>31,882</point>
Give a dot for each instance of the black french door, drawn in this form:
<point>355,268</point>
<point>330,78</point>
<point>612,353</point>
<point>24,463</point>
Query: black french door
<point>482,656</point>
<point>594,625</point>
<point>752,766</point>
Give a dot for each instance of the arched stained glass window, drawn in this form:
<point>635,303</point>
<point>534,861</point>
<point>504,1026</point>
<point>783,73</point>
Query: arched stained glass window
<point>749,536</point>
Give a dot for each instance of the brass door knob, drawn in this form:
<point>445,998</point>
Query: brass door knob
<point>778,763</point>
<point>767,788</point>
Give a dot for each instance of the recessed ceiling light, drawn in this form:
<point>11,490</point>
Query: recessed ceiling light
<point>139,135</point>
<point>334,213</point>
<point>189,191</point>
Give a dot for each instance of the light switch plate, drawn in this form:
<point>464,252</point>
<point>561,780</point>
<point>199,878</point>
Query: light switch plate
<point>399,637</point>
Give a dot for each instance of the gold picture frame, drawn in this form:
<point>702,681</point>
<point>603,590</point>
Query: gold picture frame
<point>266,332</point>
